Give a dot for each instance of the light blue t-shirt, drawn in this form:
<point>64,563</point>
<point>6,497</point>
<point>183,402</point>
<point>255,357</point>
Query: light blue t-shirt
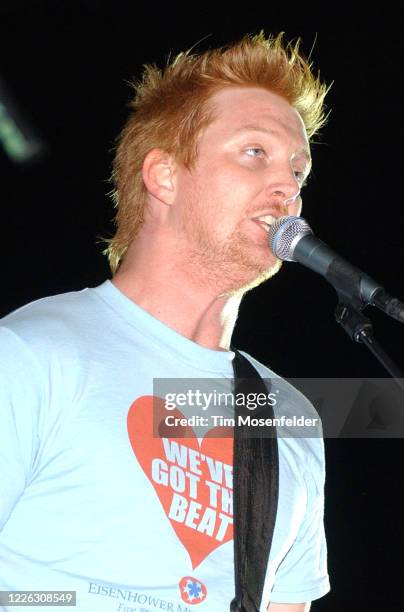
<point>93,502</point>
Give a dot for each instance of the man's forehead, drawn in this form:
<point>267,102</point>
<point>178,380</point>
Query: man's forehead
<point>238,109</point>
<point>251,99</point>
<point>238,104</point>
<point>304,150</point>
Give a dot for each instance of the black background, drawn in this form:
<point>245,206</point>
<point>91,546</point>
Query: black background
<point>67,63</point>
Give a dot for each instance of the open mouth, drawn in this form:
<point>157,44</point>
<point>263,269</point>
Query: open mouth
<point>265,221</point>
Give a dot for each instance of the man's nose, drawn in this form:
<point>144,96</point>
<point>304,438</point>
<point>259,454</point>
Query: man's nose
<point>285,193</point>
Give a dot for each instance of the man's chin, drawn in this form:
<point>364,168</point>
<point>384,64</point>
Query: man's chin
<point>257,277</point>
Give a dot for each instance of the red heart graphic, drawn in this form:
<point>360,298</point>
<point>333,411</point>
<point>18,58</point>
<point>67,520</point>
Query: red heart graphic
<point>193,483</point>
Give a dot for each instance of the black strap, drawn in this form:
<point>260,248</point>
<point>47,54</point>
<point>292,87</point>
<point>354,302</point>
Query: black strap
<point>255,490</point>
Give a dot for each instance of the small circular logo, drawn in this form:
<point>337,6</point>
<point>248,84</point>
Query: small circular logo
<point>192,590</point>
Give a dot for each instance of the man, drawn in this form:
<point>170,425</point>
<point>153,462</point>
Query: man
<point>216,148</point>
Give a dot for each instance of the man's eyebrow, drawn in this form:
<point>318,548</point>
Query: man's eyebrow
<point>254,127</point>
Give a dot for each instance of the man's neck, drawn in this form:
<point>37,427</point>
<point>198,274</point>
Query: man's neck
<point>179,299</point>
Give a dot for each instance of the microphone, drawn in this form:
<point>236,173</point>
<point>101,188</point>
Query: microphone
<point>292,239</point>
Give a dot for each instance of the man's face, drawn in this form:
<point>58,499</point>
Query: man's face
<point>252,161</point>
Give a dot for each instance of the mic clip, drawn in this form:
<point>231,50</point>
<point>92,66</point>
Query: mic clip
<point>360,329</point>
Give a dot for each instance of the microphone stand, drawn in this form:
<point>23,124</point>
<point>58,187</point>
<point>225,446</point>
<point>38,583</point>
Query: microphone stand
<point>360,329</point>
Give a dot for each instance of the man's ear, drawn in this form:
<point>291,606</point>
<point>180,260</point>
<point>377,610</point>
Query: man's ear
<point>158,175</point>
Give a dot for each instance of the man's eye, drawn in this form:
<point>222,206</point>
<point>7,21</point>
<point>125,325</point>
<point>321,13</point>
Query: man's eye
<point>255,152</point>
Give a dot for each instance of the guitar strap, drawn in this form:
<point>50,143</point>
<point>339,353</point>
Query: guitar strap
<point>255,489</point>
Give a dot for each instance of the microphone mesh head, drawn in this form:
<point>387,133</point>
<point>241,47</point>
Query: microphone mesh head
<point>285,233</point>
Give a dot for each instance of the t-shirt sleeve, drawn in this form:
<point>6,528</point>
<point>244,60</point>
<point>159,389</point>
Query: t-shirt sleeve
<point>21,396</point>
<point>302,574</point>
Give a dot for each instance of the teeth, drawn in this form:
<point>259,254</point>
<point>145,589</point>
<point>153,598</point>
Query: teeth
<point>268,219</point>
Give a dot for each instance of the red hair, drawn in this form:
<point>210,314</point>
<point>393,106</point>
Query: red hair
<point>171,107</point>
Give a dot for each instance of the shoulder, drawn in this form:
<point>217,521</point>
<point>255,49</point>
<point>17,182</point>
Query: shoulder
<point>50,318</point>
<point>45,309</point>
<point>58,326</point>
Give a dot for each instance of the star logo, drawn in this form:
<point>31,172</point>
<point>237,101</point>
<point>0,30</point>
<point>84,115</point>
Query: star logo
<point>192,591</point>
